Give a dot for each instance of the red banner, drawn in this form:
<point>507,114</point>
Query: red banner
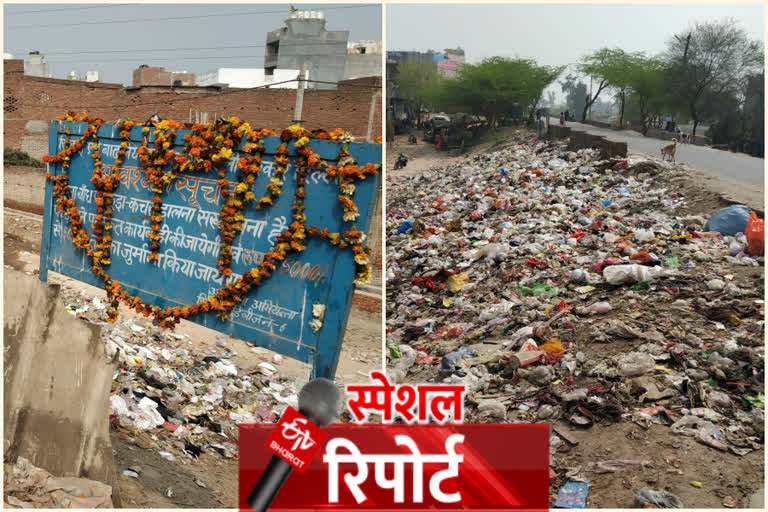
<point>410,467</point>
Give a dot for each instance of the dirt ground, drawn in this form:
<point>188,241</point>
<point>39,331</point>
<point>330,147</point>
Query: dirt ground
<point>361,352</point>
<point>672,462</point>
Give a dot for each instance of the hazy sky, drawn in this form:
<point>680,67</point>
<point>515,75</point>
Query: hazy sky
<point>103,38</point>
<point>552,34</point>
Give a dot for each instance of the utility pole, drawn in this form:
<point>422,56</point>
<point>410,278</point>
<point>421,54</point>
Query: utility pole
<point>299,96</point>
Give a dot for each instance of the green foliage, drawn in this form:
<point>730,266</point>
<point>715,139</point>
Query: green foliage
<point>576,94</point>
<point>613,68</point>
<point>646,79</point>
<point>710,60</point>
<point>18,157</point>
<point>494,88</point>
<point>414,79</point>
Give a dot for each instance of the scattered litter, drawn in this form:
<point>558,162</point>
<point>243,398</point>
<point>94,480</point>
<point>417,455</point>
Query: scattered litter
<point>594,294</point>
<point>572,495</point>
<point>649,498</point>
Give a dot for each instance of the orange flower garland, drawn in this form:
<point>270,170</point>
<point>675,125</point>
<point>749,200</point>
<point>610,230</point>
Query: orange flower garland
<point>199,148</point>
<point>232,217</point>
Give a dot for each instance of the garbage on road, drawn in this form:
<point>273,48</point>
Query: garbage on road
<point>182,398</point>
<point>639,311</point>
<point>27,486</point>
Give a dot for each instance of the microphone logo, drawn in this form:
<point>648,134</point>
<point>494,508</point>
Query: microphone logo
<point>303,438</point>
<point>296,439</point>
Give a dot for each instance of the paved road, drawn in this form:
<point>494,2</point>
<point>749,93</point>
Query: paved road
<point>733,166</point>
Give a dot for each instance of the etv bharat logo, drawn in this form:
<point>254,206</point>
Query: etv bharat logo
<point>303,438</point>
<point>297,439</point>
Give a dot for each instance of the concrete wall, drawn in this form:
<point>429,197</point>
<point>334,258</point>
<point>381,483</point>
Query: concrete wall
<point>24,188</point>
<point>358,66</point>
<point>57,384</point>
<point>324,52</point>
<point>579,139</point>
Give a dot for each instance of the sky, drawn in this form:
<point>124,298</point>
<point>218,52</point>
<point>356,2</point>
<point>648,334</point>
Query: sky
<point>553,34</point>
<point>105,38</point>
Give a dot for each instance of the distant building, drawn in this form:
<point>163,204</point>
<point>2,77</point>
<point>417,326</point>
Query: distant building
<point>145,75</point>
<point>305,40</point>
<point>449,66</point>
<point>396,57</point>
<point>249,77</point>
<point>91,76</point>
<point>35,65</point>
<point>363,59</point>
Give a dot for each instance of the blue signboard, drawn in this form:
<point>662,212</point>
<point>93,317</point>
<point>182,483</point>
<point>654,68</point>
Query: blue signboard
<point>275,315</point>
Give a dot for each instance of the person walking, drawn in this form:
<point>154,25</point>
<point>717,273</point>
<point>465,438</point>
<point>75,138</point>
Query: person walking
<point>438,140</point>
<point>562,118</point>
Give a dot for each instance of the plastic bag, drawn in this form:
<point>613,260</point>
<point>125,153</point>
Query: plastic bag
<point>755,233</point>
<point>621,274</point>
<point>729,221</point>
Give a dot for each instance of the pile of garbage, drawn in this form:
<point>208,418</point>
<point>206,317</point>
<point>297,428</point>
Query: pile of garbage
<point>558,286</point>
<point>178,397</point>
<point>27,486</point>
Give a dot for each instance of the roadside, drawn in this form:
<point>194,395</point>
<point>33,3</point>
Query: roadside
<point>423,157</point>
<point>732,167</point>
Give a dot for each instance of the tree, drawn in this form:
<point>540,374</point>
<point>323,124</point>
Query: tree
<point>494,88</point>
<point>611,66</point>
<point>595,65</point>
<point>575,93</point>
<point>551,98</point>
<point>414,79</point>
<point>645,77</point>
<point>710,60</point>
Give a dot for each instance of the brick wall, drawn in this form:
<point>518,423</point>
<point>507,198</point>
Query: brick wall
<point>29,98</point>
<point>30,102</point>
<point>366,302</point>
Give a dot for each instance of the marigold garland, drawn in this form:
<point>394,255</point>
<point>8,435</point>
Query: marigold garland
<point>207,146</point>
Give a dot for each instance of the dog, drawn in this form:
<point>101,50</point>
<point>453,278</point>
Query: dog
<point>412,139</point>
<point>669,151</point>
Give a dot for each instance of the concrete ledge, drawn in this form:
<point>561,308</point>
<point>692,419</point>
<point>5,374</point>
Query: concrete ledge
<point>57,385</point>
<point>580,139</point>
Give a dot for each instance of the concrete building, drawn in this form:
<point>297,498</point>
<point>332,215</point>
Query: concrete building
<point>146,75</point>
<point>35,65</point>
<point>249,77</point>
<point>305,40</point>
<point>449,65</point>
<point>363,59</point>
